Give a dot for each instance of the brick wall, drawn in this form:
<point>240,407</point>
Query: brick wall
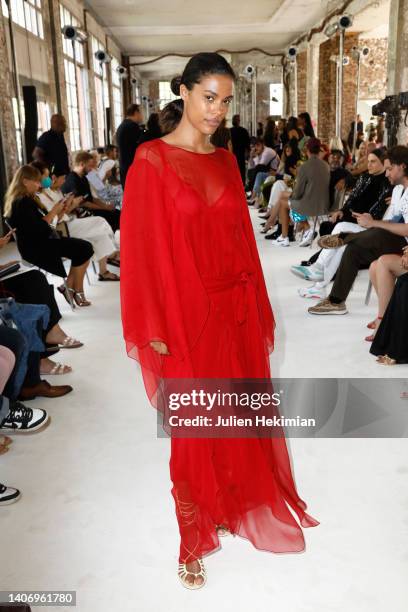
<point>373,75</point>
<point>302,81</point>
<point>327,87</point>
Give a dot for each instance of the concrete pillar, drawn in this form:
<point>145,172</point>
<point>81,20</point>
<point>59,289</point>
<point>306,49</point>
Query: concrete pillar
<point>312,82</point>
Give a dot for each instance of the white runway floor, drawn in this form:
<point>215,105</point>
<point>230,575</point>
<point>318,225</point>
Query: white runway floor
<point>96,515</point>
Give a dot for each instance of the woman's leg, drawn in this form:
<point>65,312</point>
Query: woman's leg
<point>7,361</point>
<point>388,269</point>
<point>275,212</point>
<point>284,218</point>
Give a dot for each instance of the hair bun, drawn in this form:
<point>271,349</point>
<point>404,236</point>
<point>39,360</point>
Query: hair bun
<point>175,85</point>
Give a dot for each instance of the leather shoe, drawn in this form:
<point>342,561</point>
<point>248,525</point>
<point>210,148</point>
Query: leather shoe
<point>44,389</point>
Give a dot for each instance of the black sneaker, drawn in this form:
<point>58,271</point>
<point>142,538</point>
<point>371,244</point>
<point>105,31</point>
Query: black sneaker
<point>21,419</point>
<point>8,495</point>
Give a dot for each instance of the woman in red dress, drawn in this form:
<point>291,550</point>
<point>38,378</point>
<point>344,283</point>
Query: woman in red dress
<point>195,305</point>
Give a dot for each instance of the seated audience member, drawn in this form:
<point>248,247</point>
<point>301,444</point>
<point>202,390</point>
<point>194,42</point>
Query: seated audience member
<point>361,164</point>
<point>111,155</point>
<point>261,159</point>
<point>36,239</point>
<point>310,196</point>
<point>271,136</point>
<point>14,416</point>
<point>93,229</point>
<point>31,287</point>
<point>305,126</point>
<point>382,237</point>
<point>25,381</point>
<point>390,342</point>
<point>371,188</point>
<point>101,188</point>
<point>77,184</point>
<point>326,264</point>
<point>293,130</point>
<point>288,168</point>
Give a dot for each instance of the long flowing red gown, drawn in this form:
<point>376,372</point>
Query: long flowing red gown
<point>191,277</point>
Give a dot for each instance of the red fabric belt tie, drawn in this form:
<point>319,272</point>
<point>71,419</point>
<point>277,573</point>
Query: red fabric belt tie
<point>239,284</point>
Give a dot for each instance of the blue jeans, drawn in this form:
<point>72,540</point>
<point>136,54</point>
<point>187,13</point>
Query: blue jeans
<point>260,177</point>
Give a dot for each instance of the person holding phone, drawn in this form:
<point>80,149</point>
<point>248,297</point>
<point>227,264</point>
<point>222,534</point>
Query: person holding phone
<point>94,229</point>
<point>37,241</point>
<point>77,183</point>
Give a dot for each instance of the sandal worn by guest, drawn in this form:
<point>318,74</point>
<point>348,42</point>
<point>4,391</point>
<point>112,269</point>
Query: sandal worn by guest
<point>372,324</point>
<point>108,276</point>
<point>70,343</point>
<point>57,369</point>
<point>183,573</point>
<point>386,360</point>
<point>374,327</point>
<point>5,442</point>
<point>80,299</point>
<point>65,292</point>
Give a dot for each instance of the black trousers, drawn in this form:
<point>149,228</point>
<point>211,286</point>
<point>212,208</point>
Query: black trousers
<point>14,340</point>
<point>362,249</point>
<point>33,288</point>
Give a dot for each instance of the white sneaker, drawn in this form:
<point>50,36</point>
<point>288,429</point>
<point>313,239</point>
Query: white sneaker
<point>312,292</point>
<point>307,238</point>
<point>282,242</point>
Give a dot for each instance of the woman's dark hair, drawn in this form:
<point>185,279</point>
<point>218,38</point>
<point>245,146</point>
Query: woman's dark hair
<point>170,116</point>
<point>40,166</point>
<point>294,145</point>
<point>153,122</point>
<point>292,124</point>
<point>399,156</point>
<point>308,129</point>
<point>380,153</point>
<point>198,66</point>
<point>270,133</point>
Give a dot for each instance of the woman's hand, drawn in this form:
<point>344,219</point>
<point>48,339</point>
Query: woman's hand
<point>5,240</point>
<point>159,347</point>
<point>337,215</point>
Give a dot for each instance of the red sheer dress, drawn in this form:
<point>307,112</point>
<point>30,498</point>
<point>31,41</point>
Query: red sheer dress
<point>191,277</point>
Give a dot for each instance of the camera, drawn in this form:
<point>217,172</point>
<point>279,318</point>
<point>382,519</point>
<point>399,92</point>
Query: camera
<point>292,53</point>
<point>69,32</point>
<point>345,21</point>
<point>388,105</point>
<point>403,100</point>
<point>102,57</point>
<point>249,70</point>
<point>122,71</point>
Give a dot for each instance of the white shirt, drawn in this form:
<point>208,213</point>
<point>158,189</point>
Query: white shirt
<point>265,158</point>
<point>398,206</point>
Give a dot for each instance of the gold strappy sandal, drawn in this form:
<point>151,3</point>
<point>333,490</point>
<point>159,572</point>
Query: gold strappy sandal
<point>183,573</point>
